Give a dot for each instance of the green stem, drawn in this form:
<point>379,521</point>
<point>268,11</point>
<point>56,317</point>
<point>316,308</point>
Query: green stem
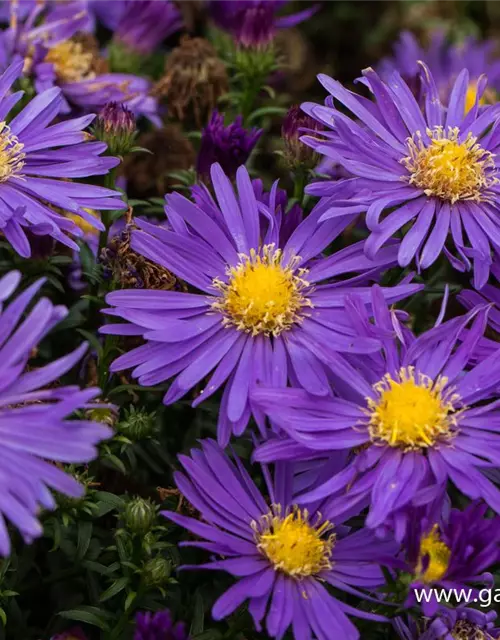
<point>299,185</point>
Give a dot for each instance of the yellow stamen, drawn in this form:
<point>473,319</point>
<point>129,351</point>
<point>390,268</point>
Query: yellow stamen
<point>71,62</point>
<point>412,412</point>
<point>292,544</point>
<point>435,555</point>
<point>11,154</point>
<point>263,295</point>
<point>464,630</point>
<point>85,226</point>
<point>448,168</point>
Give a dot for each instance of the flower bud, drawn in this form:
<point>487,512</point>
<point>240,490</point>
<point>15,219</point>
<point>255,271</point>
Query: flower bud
<point>137,424</point>
<point>139,516</point>
<point>115,125</point>
<point>295,124</point>
<point>229,145</point>
<point>156,572</point>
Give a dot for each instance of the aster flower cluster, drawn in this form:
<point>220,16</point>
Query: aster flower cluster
<point>249,343</point>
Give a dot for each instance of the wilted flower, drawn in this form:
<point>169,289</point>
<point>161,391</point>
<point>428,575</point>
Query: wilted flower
<point>194,80</point>
<point>229,145</point>
<point>148,174</point>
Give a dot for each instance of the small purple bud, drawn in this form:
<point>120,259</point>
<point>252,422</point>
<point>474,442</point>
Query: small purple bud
<point>229,145</point>
<point>115,125</point>
<point>296,123</point>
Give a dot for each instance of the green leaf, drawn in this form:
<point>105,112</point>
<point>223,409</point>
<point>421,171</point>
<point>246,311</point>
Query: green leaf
<point>110,498</point>
<point>84,536</point>
<point>114,589</point>
<point>266,111</point>
<point>97,567</point>
<point>3,617</point>
<point>197,625</point>
<point>93,340</point>
<point>130,600</point>
<point>90,615</point>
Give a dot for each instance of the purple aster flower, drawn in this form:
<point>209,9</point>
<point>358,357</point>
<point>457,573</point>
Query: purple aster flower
<point>413,416</point>
<point>257,303</point>
<point>445,61</point>
<point>230,145</point>
<point>144,24</point>
<point>433,173</point>
<point>461,623</point>
<point>36,160</point>
<point>253,23</point>
<point>33,419</point>
<point>450,551</point>
<point>282,555</point>
<point>159,626</point>
<point>57,52</point>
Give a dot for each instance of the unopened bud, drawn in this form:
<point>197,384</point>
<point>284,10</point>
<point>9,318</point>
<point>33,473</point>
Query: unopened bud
<point>115,125</point>
<point>139,516</point>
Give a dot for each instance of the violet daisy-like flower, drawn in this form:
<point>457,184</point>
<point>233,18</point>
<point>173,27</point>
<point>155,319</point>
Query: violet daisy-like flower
<point>37,162</point>
<point>433,174</point>
<point>58,51</point>
<point>253,23</point>
<point>289,561</point>
<point>445,61</point>
<point>258,302</point>
<point>453,551</point>
<point>462,623</point>
<point>229,145</point>
<point>414,416</point>
<point>33,419</point>
<point>142,25</point>
<point>158,626</point>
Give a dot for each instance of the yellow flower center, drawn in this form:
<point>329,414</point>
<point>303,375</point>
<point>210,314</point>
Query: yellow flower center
<point>464,630</point>
<point>71,62</point>
<point>11,155</point>
<point>448,168</point>
<point>412,412</point>
<point>263,295</point>
<point>434,555</point>
<point>81,223</point>
<point>292,544</point>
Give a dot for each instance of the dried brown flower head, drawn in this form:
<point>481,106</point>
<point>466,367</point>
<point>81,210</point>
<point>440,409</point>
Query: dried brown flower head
<point>129,270</point>
<point>195,78</point>
<point>148,173</point>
